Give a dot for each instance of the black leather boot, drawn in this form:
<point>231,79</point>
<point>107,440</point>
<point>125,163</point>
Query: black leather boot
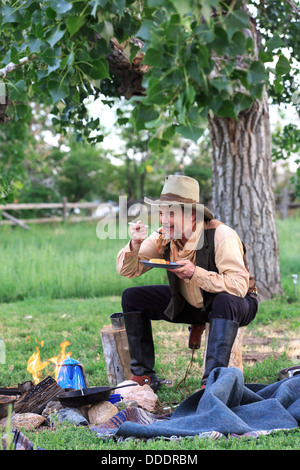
<point>141,348</point>
<point>222,334</point>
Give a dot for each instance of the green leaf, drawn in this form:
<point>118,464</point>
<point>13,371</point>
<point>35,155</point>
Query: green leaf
<point>155,93</point>
<point>156,3</point>
<point>156,145</point>
<point>42,73</point>
<point>266,56</point>
<point>99,69</point>
<point>238,44</point>
<point>11,56</point>
<point>6,190</point>
<point>169,132</point>
<point>198,60</point>
<point>274,43</point>
<point>278,86</point>
<point>220,41</point>
<point>18,91</point>
<point>74,23</point>
<point>38,30</point>
<point>206,7</point>
<point>242,101</point>
<point>106,29</point>
<point>10,15</point>
<point>142,114</point>
<point>145,30</point>
<point>52,68</point>
<point>193,70</point>
<point>227,110</point>
<point>49,56</point>
<point>152,57</point>
<point>34,44</point>
<point>256,90</point>
<point>97,3</point>
<point>282,66</point>
<point>191,132</point>
<point>256,73</point>
<point>183,8</point>
<point>222,84</point>
<point>153,124</point>
<point>55,37</point>
<point>190,94</point>
<point>57,91</point>
<point>60,6</point>
<point>235,21</point>
<point>24,112</point>
<point>70,58</point>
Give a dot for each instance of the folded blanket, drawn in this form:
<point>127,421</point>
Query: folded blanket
<point>226,407</point>
<point>132,414</point>
<point>17,441</point>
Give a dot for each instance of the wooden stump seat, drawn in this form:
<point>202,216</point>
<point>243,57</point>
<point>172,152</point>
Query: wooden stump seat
<point>116,354</point>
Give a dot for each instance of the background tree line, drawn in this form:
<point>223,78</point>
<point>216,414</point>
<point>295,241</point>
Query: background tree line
<point>45,166</point>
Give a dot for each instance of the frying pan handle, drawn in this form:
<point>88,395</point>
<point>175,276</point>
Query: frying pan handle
<point>126,385</point>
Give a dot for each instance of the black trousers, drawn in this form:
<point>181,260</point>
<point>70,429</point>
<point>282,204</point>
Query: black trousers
<point>153,300</point>
<point>143,304</point>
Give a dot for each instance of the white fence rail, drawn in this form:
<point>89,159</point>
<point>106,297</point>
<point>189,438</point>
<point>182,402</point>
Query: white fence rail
<point>64,205</point>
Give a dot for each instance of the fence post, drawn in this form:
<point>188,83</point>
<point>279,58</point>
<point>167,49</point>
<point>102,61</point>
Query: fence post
<point>64,202</point>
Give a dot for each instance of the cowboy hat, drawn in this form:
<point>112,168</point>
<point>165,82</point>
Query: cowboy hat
<point>180,189</point>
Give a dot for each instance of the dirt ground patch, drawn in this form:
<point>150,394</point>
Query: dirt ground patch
<point>258,344</point>
<point>266,342</point>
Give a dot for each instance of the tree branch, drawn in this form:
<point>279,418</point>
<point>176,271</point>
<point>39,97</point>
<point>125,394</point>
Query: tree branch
<point>11,66</point>
<point>293,6</point>
<point>130,73</point>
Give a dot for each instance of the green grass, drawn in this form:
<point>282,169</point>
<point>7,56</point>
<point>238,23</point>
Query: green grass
<point>60,262</point>
<point>59,283</point>
<point>67,437</point>
<point>63,261</point>
<point>289,254</point>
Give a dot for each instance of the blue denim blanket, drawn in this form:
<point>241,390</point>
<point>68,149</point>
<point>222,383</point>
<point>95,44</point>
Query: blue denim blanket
<point>227,406</point>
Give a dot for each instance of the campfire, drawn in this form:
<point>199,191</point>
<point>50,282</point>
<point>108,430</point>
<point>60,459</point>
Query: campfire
<point>64,393</point>
<point>33,395</point>
<point>35,365</point>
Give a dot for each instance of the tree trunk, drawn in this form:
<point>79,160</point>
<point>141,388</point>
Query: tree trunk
<point>243,195</point>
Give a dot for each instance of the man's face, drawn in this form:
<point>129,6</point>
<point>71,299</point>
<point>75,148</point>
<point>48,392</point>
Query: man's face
<point>176,221</point>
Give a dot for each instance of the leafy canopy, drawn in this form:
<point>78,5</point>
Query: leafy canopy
<point>201,54</point>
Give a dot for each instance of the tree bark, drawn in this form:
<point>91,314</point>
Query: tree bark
<point>242,189</point>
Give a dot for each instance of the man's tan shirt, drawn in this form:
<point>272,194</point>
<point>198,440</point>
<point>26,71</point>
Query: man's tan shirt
<point>232,277</point>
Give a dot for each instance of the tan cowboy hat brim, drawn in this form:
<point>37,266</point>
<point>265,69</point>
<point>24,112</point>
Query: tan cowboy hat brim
<point>168,202</point>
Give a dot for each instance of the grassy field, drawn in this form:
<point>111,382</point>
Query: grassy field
<point>61,261</point>
<point>59,283</point>
<point>64,261</point>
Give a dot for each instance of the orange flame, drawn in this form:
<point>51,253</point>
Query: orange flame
<point>57,360</point>
<point>35,365</point>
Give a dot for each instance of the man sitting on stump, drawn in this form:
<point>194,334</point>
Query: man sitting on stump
<point>212,284</point>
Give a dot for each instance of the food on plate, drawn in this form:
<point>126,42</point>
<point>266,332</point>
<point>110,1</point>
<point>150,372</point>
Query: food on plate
<point>158,261</point>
